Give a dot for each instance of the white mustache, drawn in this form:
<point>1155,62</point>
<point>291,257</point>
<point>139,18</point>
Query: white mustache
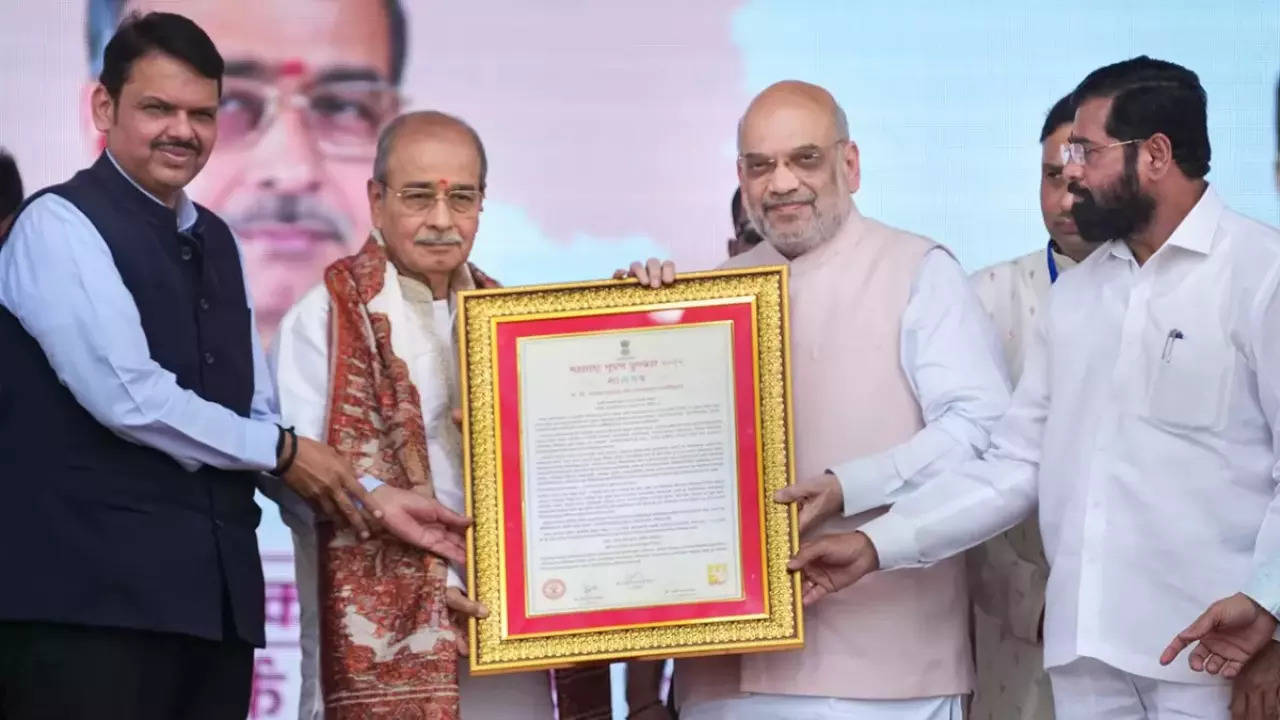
<point>775,202</point>
<point>448,238</point>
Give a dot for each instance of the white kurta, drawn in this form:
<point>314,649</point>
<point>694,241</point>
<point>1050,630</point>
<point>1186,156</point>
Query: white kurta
<point>302,373</point>
<point>799,707</point>
<point>1091,690</point>
<point>1008,572</point>
<point>1144,424</point>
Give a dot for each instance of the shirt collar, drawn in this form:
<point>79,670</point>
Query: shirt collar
<point>185,209</point>
<point>1119,249</point>
<point>1060,259</point>
<point>1194,233</point>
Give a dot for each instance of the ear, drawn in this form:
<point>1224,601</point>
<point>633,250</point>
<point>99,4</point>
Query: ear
<point>377,193</point>
<point>93,137</point>
<point>102,108</point>
<point>852,166</point>
<point>1156,156</point>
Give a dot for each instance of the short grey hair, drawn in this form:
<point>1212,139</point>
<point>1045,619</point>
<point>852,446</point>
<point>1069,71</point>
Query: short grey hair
<point>842,123</point>
<point>837,116</point>
<point>386,139</point>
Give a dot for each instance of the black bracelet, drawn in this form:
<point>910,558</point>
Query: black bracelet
<point>290,439</point>
<point>280,439</point>
<point>642,708</point>
<point>293,452</point>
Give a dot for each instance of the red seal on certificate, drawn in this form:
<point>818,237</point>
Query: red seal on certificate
<point>553,589</point>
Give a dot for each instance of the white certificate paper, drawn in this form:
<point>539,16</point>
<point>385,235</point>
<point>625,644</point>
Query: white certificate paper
<point>629,468</point>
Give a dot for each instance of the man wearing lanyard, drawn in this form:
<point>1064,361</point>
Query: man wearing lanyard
<point>137,417</point>
<point>1008,573</point>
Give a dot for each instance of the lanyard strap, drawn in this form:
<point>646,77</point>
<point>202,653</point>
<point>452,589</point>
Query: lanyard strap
<point>1053,266</point>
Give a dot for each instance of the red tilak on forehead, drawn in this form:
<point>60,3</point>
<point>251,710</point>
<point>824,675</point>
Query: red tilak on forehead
<point>293,66</point>
<point>442,184</point>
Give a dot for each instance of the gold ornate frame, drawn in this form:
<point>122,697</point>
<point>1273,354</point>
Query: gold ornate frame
<point>479,311</point>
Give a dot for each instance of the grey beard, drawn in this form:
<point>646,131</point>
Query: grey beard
<point>825,225</point>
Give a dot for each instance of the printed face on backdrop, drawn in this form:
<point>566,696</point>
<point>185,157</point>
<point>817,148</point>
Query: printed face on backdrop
<point>556,183</point>
<point>306,91</point>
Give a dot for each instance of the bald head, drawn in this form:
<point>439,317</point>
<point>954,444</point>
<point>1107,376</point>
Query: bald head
<point>426,125</point>
<point>793,97</point>
<point>796,166</point>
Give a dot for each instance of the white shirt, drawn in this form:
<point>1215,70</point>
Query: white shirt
<point>805,707</point>
<point>1007,574</point>
<point>302,372</point>
<point>1143,425</point>
<point>302,380</point>
<point>955,367</point>
<point>1264,588</point>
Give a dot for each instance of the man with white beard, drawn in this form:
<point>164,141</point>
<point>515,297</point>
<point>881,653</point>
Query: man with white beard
<point>896,376</point>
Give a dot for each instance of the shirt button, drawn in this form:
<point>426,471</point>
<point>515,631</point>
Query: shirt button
<point>204,303</point>
<point>185,252</point>
<point>208,358</point>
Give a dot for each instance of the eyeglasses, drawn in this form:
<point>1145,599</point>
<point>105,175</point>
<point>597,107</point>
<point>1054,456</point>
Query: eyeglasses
<point>343,116</point>
<point>807,159</point>
<point>1077,152</point>
<point>419,200</point>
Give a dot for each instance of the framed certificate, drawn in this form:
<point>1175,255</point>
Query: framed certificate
<point>621,446</point>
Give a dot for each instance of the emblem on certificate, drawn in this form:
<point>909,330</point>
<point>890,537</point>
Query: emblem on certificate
<point>621,446</point>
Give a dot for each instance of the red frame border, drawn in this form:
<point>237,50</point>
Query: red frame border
<point>506,334</point>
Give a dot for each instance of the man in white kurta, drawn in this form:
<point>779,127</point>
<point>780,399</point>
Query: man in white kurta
<point>429,152</point>
<point>1145,423</point>
<point>1008,572</point>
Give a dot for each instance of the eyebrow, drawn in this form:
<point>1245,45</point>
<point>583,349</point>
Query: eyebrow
<point>258,70</point>
<point>427,185</point>
<point>211,109</point>
<point>347,73</point>
<point>1073,138</point>
<point>798,148</point>
<point>245,68</point>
